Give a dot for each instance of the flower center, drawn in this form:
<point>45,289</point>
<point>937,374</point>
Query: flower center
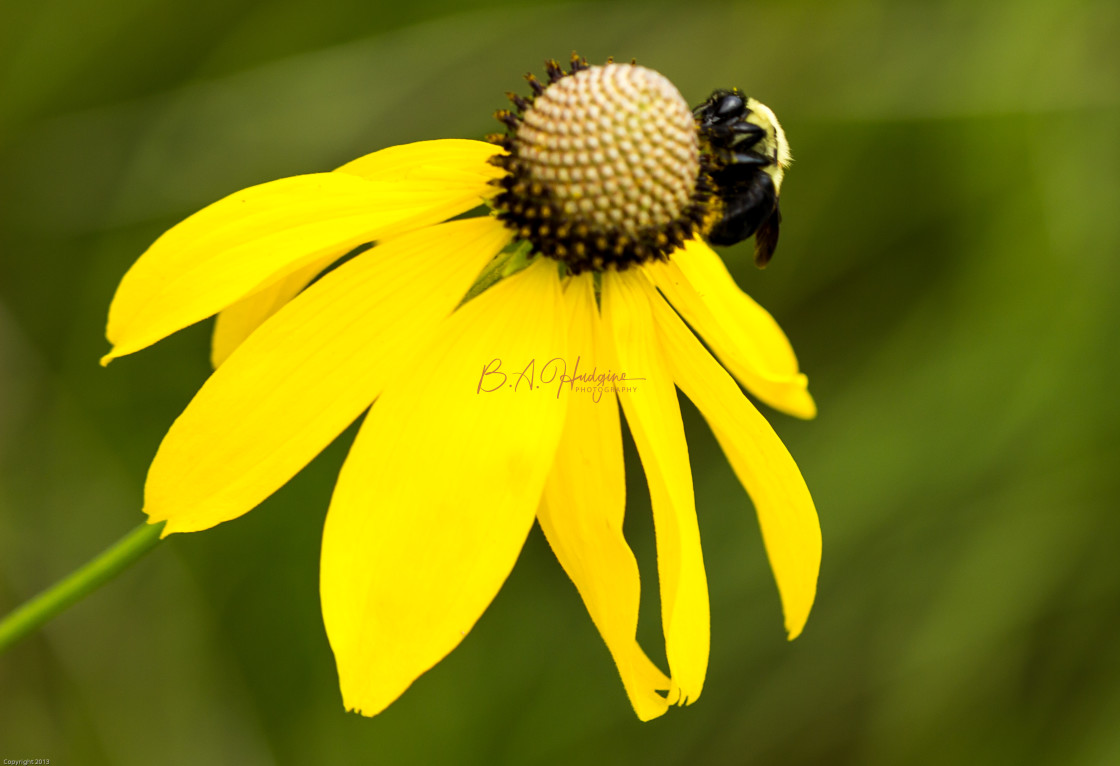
<point>604,167</point>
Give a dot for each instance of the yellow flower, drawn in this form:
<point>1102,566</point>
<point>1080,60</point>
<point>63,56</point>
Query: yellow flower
<point>493,350</point>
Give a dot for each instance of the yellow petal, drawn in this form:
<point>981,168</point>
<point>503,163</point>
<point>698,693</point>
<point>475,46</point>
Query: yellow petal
<point>742,334</point>
<point>654,416</point>
<point>447,163</point>
<point>237,322</point>
<point>440,489</point>
<point>584,502</point>
<point>257,237</point>
<point>785,510</point>
<point>443,161</point>
<point>309,371</point>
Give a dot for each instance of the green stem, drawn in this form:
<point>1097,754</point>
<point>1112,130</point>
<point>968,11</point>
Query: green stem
<point>33,614</point>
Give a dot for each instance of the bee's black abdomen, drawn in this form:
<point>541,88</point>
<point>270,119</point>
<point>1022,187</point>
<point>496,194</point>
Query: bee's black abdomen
<point>746,206</point>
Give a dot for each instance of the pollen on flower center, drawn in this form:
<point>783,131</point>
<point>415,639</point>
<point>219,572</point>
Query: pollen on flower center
<point>604,167</point>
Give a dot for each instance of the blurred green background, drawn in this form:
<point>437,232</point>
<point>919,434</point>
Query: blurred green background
<point>948,273</point>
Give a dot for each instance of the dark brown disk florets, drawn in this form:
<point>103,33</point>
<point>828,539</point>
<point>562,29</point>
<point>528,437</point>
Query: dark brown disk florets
<point>604,166</point>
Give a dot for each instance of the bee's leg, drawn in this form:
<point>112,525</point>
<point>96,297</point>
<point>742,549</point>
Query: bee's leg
<point>736,134</point>
<point>749,159</point>
<point>766,238</point>
<point>738,169</point>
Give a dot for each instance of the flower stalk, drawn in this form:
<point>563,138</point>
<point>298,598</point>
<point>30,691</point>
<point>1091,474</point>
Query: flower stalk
<point>33,614</point>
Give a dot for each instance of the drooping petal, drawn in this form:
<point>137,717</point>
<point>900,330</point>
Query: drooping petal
<point>654,416</point>
<point>790,528</point>
<point>309,371</point>
<point>256,237</point>
<point>441,488</point>
<point>447,163</point>
<point>742,334</point>
<point>584,503</point>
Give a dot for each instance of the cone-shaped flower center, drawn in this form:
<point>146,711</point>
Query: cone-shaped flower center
<point>604,168</point>
<point>616,145</point>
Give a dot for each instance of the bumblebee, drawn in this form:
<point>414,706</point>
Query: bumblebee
<point>748,155</point>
